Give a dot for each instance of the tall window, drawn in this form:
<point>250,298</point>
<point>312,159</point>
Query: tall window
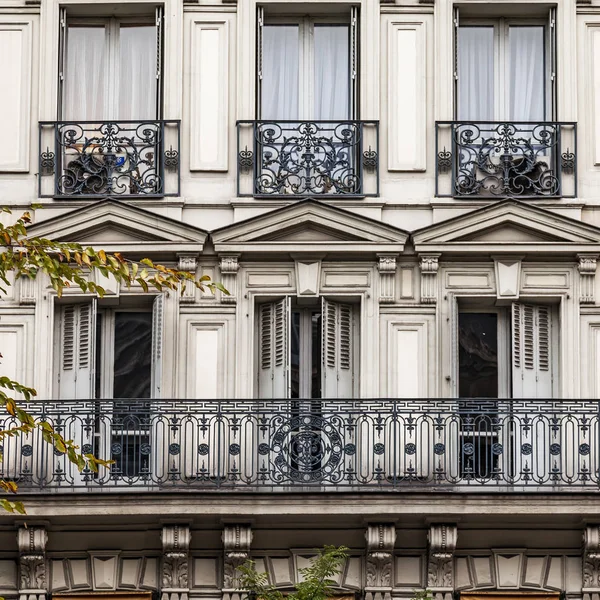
<point>110,68</point>
<point>505,69</point>
<point>307,68</point>
<point>307,352</point>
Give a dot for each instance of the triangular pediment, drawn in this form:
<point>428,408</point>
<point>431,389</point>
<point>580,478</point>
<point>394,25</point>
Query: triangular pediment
<point>114,225</point>
<point>309,225</point>
<point>508,226</point>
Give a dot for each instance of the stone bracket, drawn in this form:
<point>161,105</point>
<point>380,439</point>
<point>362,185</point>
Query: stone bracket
<point>381,538</point>
<point>189,264</point>
<point>587,277</point>
<point>33,580</point>
<point>429,264</point>
<point>237,540</point>
<point>229,267</point>
<point>175,562</point>
<point>440,567</point>
<point>387,277</point>
<point>591,561</point>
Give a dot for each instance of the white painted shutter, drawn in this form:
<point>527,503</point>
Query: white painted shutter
<point>159,43</point>
<point>77,351</point>
<point>337,349</point>
<point>62,54</point>
<point>158,318</point>
<point>260,22</point>
<point>274,349</point>
<point>551,113</point>
<point>531,351</point>
<point>354,63</point>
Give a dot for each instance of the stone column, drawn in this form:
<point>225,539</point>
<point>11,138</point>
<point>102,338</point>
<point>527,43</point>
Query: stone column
<point>33,580</point>
<point>175,562</point>
<point>440,567</point>
<point>236,545</point>
<point>380,548</point>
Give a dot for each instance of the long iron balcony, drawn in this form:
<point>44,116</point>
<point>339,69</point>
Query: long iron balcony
<point>91,159</point>
<point>499,159</point>
<point>370,445</point>
<point>308,158</point>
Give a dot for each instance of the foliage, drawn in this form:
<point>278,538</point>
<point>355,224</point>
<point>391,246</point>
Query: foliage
<point>66,265</point>
<point>316,581</point>
<point>422,595</point>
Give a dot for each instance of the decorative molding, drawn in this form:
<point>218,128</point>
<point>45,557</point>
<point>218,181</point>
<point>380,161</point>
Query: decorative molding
<point>33,579</point>
<point>429,264</point>
<point>440,568</point>
<point>236,545</point>
<point>387,277</point>
<point>27,291</point>
<point>229,267</point>
<point>587,277</point>
<point>308,275</point>
<point>189,264</point>
<point>381,538</point>
<point>508,276</point>
<point>174,574</point>
<point>591,559</point>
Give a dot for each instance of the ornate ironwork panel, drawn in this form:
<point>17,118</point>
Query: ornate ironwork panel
<point>110,158</point>
<point>323,445</point>
<point>309,158</point>
<point>506,159</point>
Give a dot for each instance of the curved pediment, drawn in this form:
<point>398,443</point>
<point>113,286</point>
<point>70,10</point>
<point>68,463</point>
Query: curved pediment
<point>117,226</point>
<point>508,226</point>
<point>312,226</point>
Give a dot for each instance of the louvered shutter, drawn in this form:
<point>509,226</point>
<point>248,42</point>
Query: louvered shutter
<point>158,310</point>
<point>551,113</point>
<point>62,56</point>
<point>77,351</point>
<point>354,64</point>
<point>159,59</point>
<point>274,349</point>
<point>260,22</point>
<point>531,351</point>
<point>337,349</point>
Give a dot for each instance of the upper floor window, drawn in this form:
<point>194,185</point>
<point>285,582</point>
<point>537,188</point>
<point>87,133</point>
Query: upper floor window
<point>110,68</point>
<point>505,69</point>
<point>307,68</point>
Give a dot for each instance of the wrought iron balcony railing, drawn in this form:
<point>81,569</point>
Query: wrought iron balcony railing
<point>380,445</point>
<point>108,158</point>
<point>499,159</point>
<point>308,158</point>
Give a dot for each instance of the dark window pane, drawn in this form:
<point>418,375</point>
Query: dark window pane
<point>316,355</point>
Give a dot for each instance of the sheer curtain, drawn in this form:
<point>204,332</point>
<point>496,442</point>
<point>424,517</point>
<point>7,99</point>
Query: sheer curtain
<point>332,72</point>
<point>280,69</point>
<point>85,76</point>
<point>527,85</point>
<point>476,94</point>
<point>137,73</point>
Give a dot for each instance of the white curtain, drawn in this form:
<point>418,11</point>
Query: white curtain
<point>527,85</point>
<point>137,73</point>
<point>280,72</point>
<point>476,98</point>
<point>85,76</point>
<point>332,72</point>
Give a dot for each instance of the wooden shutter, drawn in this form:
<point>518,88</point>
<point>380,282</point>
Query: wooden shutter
<point>158,310</point>
<point>455,73</point>
<point>551,44</point>
<point>260,22</point>
<point>531,351</point>
<point>77,351</point>
<point>159,60</point>
<point>274,349</point>
<point>337,348</point>
<point>354,64</point>
<point>62,60</point>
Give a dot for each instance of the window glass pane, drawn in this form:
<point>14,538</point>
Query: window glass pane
<point>280,72</point>
<point>133,351</point>
<point>478,355</point>
<point>137,73</point>
<point>295,355</point>
<point>332,72</point>
<point>527,80</point>
<point>85,74</point>
<point>316,325</point>
<point>476,73</point>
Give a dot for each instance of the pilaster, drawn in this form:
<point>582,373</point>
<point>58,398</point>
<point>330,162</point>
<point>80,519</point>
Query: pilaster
<point>236,545</point>
<point>175,562</point>
<point>381,538</point>
<point>33,580</point>
<point>440,567</point>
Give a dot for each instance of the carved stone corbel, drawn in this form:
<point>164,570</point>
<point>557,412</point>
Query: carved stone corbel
<point>189,264</point>
<point>387,277</point>
<point>381,539</point>
<point>33,579</point>
<point>587,277</point>
<point>236,544</point>
<point>429,264</point>
<point>174,575</point>
<point>440,567</point>
<point>591,561</point>
<point>229,267</point>
<point>27,291</point>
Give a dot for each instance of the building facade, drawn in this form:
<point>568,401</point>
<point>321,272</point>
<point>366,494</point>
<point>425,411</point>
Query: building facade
<point>403,199</point>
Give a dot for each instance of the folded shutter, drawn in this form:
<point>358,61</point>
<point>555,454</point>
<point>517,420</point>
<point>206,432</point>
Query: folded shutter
<point>158,309</point>
<point>337,349</point>
<point>274,349</point>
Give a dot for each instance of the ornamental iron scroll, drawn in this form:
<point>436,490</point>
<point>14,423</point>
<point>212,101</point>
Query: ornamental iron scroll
<point>111,158</point>
<point>506,159</point>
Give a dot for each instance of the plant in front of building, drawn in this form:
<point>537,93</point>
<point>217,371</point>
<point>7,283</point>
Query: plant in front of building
<point>67,265</point>
<point>316,580</point>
